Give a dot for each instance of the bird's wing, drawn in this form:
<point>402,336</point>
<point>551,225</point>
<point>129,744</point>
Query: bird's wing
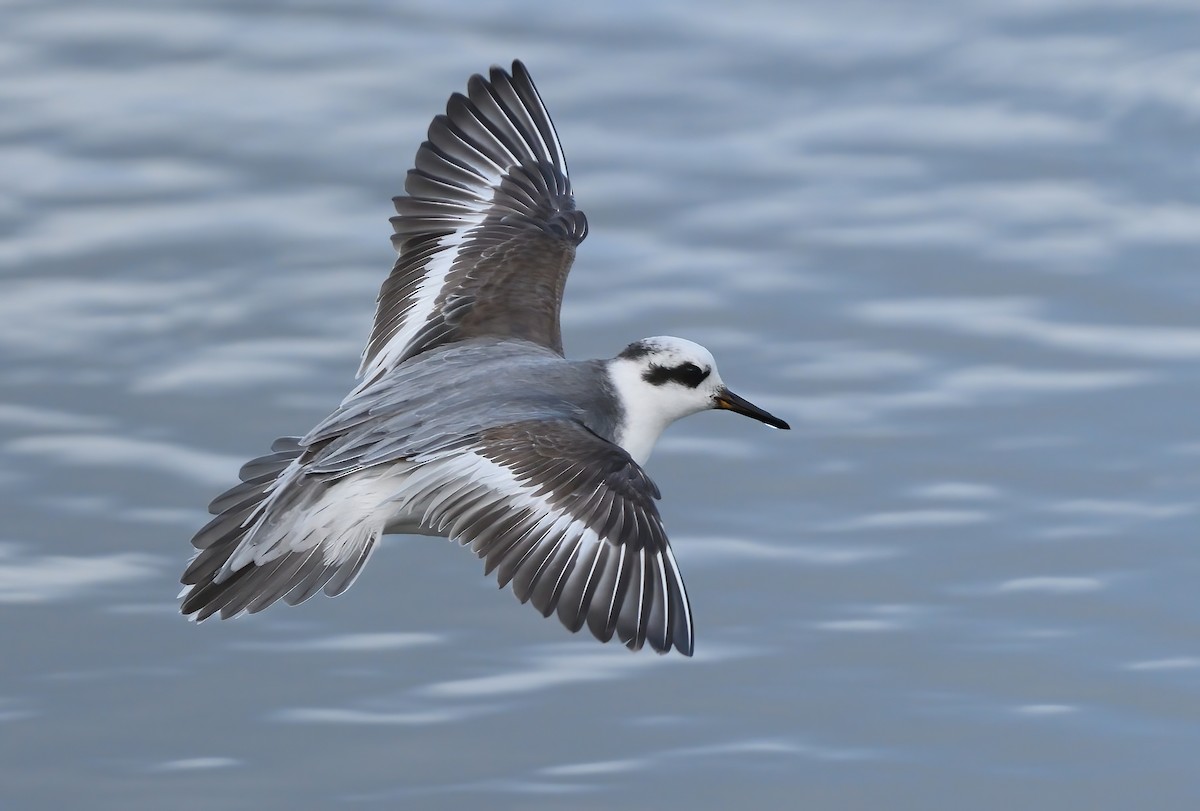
<point>487,231</point>
<point>569,519</point>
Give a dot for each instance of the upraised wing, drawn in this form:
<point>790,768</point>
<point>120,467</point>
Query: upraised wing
<point>487,231</point>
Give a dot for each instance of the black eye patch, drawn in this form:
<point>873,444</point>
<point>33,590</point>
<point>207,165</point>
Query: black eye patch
<point>686,374</point>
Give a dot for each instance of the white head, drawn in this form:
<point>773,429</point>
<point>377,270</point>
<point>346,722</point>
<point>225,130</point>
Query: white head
<point>659,380</point>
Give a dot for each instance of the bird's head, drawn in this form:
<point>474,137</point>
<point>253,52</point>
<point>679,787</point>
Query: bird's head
<point>662,379</point>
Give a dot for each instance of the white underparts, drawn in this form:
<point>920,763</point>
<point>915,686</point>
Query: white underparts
<point>348,515</point>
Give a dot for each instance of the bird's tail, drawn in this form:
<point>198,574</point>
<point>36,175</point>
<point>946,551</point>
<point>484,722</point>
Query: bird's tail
<point>272,539</point>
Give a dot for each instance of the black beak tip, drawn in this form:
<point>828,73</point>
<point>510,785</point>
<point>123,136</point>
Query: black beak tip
<point>739,405</point>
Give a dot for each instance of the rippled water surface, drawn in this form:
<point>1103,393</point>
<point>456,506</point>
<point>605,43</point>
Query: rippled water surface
<point>954,244</point>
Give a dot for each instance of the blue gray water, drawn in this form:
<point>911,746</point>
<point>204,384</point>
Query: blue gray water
<point>954,244</point>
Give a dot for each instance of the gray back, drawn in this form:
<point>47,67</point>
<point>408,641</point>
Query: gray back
<point>443,398</point>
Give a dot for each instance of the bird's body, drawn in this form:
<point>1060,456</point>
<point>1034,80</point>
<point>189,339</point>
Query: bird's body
<point>468,422</point>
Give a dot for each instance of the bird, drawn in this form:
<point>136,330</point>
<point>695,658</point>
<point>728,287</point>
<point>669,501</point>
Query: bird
<point>467,421</point>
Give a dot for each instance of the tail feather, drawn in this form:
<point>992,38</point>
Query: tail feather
<point>268,466</point>
<point>267,542</point>
<point>313,581</point>
<point>345,576</point>
<point>243,497</point>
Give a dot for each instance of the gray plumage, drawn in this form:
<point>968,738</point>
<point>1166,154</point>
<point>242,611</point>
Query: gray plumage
<point>468,422</point>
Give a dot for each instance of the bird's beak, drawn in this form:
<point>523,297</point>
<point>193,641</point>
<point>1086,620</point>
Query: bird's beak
<point>728,400</point>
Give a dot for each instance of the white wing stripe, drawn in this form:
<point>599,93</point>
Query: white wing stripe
<point>437,270</point>
<point>683,600</point>
<point>440,474</point>
<point>612,601</point>
<point>573,559</point>
<point>591,572</point>
<point>637,628</point>
<point>666,593</point>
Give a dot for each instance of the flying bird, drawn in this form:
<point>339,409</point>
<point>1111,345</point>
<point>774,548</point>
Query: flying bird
<point>467,421</point>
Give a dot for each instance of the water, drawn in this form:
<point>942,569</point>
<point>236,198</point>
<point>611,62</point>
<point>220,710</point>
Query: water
<point>954,244</point>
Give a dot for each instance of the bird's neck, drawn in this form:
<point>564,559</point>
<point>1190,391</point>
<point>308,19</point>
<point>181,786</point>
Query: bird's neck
<point>643,416</point>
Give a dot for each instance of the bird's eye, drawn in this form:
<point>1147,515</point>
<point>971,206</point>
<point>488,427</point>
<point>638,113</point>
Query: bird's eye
<point>685,374</point>
<point>690,375</point>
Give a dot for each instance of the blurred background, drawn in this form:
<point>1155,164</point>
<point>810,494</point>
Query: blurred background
<point>955,244</point>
